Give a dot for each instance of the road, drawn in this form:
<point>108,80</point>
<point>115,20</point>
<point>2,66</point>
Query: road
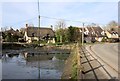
<point>108,53</point>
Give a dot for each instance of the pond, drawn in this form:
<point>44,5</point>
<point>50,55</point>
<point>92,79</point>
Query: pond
<point>33,66</point>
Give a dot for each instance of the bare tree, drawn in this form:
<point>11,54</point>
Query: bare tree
<point>60,25</point>
<point>3,29</point>
<point>112,25</point>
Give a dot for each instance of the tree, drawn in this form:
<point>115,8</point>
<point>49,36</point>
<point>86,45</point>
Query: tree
<point>60,25</point>
<point>60,35</point>
<point>111,25</point>
<point>74,34</point>
<point>70,34</point>
<point>3,35</point>
<point>3,29</point>
<point>8,37</point>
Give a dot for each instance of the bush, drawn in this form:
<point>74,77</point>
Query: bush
<point>104,40</point>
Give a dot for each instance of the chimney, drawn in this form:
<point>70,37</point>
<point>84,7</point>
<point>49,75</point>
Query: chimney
<point>26,25</point>
<point>26,28</point>
<point>51,27</point>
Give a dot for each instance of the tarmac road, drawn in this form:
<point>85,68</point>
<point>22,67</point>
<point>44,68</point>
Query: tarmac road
<point>109,53</point>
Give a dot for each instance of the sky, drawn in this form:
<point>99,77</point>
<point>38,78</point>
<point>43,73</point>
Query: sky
<point>16,14</point>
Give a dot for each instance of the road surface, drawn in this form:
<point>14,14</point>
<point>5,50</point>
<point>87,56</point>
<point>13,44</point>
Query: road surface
<point>108,53</point>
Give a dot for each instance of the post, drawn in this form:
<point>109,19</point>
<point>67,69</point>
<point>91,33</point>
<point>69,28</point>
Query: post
<point>39,40</point>
<point>83,34</point>
<point>39,27</point>
<point>38,66</point>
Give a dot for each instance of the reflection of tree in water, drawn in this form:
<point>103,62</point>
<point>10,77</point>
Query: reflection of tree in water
<point>7,57</point>
<point>46,61</point>
<point>61,56</point>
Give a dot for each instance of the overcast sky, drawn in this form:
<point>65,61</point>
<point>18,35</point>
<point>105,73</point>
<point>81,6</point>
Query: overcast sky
<point>17,14</point>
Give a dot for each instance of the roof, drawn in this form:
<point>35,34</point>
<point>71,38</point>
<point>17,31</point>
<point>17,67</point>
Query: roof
<point>12,31</point>
<point>115,30</point>
<point>81,28</point>
<point>39,32</point>
<point>98,31</point>
<point>95,31</point>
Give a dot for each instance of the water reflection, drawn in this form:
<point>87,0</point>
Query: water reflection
<point>33,66</point>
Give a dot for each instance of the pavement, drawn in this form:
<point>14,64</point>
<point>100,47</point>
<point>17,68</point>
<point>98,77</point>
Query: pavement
<point>92,68</point>
<point>107,54</point>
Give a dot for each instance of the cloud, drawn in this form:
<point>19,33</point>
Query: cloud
<point>96,12</point>
<point>60,0</point>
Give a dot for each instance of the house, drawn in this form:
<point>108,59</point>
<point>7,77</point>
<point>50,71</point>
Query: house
<point>92,34</point>
<point>113,34</point>
<point>36,34</point>
<point>13,32</point>
<point>11,35</point>
<point>1,38</point>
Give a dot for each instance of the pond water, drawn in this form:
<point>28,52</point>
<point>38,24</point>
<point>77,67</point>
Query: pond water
<point>33,66</point>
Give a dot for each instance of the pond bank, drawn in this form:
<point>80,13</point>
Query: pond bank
<point>72,69</point>
<point>71,66</point>
<point>30,49</point>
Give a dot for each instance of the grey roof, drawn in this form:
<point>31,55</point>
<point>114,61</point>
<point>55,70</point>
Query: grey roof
<point>39,32</point>
<point>95,31</point>
<point>98,31</point>
<point>115,30</point>
<point>12,31</point>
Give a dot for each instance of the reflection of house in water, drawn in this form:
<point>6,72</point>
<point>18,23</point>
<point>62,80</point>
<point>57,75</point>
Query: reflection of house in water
<point>45,61</point>
<point>54,58</point>
<point>37,57</point>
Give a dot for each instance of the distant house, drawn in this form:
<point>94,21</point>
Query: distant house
<point>1,38</point>
<point>36,34</point>
<point>11,35</point>
<point>13,32</point>
<point>93,34</point>
<point>113,34</point>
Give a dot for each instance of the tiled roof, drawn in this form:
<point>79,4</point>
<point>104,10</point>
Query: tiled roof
<point>95,31</point>
<point>115,30</point>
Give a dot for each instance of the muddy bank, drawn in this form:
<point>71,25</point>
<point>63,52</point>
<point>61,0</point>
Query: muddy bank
<point>70,69</point>
<point>12,46</point>
<point>16,48</point>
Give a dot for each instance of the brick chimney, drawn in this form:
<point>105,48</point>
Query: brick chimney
<point>26,25</point>
<point>51,27</point>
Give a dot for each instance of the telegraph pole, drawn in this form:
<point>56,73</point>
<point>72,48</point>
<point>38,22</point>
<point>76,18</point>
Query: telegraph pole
<point>39,21</point>
<point>39,27</point>
<point>83,34</point>
<point>39,41</point>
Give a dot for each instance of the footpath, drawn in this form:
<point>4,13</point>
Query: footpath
<point>92,68</point>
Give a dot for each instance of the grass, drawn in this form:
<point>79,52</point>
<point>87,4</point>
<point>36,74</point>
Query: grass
<point>74,70</point>
<point>74,65</point>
